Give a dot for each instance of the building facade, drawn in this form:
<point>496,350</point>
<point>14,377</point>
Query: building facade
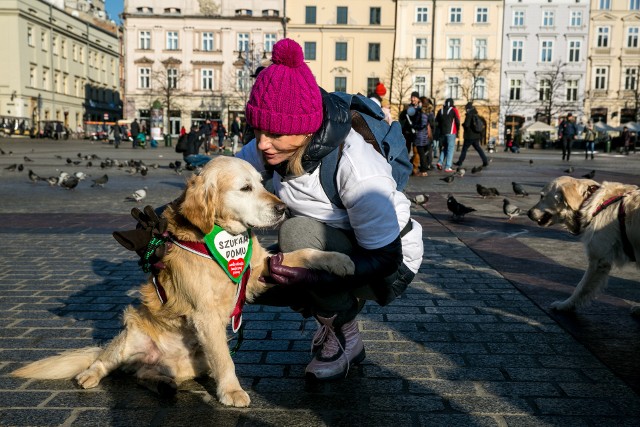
<point>194,60</point>
<point>347,45</point>
<point>544,61</point>
<point>612,93</point>
<point>63,68</point>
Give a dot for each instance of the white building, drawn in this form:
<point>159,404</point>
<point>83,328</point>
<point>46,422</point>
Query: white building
<point>192,59</point>
<point>544,61</point>
<point>58,66</point>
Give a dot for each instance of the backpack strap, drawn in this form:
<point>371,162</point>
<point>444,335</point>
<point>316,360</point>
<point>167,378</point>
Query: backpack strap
<point>328,174</point>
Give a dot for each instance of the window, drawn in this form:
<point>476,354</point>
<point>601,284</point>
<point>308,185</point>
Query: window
<point>422,15</point>
<point>548,18</point>
<point>546,51</point>
<point>63,48</point>
<point>172,40</point>
<point>206,79</point>
<point>453,49</point>
<point>341,51</point>
<point>634,4</point>
<point>144,78</point>
<point>81,54</point>
<point>374,52</point>
<point>102,66</point>
<point>269,41</point>
<point>544,90</point>
<point>172,78</point>
<point>420,84</point>
<point>45,78</point>
<point>375,16</point>
<point>244,12</point>
<point>604,4</point>
<point>515,86</point>
<point>243,42</point>
<point>372,82</point>
<point>421,48</point>
<point>480,49</point>
<point>113,66</point>
<point>56,82</point>
<point>601,78</point>
<point>341,15</point>
<point>144,40</point>
<point>340,84</point>
<point>74,52</point>
<point>78,87</point>
<point>632,37</point>
<point>65,84</point>
<point>30,41</point>
<point>310,51</point>
<point>516,50</point>
<point>54,45</point>
<point>518,18</point>
<point>630,78</point>
<point>480,88</point>
<point>572,90</point>
<point>207,41</point>
<point>455,15</point>
<point>603,37</point>
<point>242,80</point>
<point>453,88</point>
<point>32,76</point>
<point>310,15</point>
<point>482,15</point>
<point>576,18</point>
<point>574,50</point>
<point>43,41</point>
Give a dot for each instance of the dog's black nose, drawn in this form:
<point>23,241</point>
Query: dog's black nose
<point>280,208</point>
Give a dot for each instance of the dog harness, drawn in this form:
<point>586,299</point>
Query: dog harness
<point>626,244</point>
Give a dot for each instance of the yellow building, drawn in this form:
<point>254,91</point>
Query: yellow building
<point>613,69</point>
<point>348,45</point>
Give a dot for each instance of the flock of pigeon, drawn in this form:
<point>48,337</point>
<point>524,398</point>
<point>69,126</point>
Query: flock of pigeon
<point>69,181</point>
<point>510,210</point>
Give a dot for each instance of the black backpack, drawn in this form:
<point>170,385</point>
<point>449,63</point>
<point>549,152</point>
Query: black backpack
<point>367,118</point>
<point>181,146</point>
<point>477,125</point>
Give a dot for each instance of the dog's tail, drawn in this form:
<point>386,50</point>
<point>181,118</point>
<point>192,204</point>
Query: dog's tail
<point>60,367</point>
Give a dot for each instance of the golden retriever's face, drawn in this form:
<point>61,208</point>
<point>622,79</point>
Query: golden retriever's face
<point>560,201</point>
<point>229,192</point>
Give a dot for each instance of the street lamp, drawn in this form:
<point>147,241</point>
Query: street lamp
<point>254,56</point>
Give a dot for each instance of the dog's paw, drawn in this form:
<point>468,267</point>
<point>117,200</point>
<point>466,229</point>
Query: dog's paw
<point>565,305</point>
<point>238,398</point>
<point>89,378</point>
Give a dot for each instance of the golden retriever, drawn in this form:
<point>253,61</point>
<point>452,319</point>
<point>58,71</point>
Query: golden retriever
<point>185,337</point>
<point>606,215</point>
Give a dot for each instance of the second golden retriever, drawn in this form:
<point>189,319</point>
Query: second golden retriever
<point>606,216</point>
<point>180,333</point>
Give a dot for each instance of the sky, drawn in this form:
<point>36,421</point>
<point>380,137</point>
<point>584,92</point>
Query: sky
<point>114,8</point>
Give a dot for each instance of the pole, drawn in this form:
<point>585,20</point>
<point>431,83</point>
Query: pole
<point>433,34</point>
<point>393,55</point>
<point>284,17</point>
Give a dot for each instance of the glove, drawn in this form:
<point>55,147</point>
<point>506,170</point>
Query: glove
<point>147,240</point>
<point>290,276</point>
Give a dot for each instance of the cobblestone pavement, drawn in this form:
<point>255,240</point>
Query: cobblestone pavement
<point>471,342</point>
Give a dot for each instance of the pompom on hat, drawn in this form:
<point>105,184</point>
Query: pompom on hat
<point>285,98</point>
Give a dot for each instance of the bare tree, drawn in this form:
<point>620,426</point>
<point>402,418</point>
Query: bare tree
<point>549,85</point>
<point>167,86</point>
<point>401,83</point>
<point>472,73</point>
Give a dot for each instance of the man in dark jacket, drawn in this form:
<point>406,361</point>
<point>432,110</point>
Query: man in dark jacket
<point>448,122</point>
<point>192,157</point>
<point>568,131</point>
<point>135,130</point>
<point>472,136</point>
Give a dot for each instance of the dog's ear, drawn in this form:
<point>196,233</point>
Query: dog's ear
<point>576,193</point>
<point>198,204</point>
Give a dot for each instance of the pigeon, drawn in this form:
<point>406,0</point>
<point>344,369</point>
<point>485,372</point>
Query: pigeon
<point>100,182</point>
<point>530,162</point>
<point>590,175</point>
<point>80,175</point>
<point>486,191</point>
<point>476,169</point>
<point>457,209</point>
<point>420,199</point>
<point>77,162</point>
<point>2,151</point>
<point>27,159</point>
<point>53,180</point>
<point>89,164</point>
<point>20,167</point>
<point>461,171</point>
<point>448,179</point>
<point>570,170</point>
<point>69,183</point>
<point>11,168</point>
<point>138,195</point>
<point>519,189</point>
<point>34,177</point>
<point>79,155</point>
<point>510,209</point>
<point>58,156</point>
<point>69,161</point>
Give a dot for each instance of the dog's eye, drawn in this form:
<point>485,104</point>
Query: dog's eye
<point>247,188</point>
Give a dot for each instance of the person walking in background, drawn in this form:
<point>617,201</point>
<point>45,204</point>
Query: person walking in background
<point>236,134</point>
<point>192,156</point>
<point>206,131</point>
<point>135,130</point>
<point>472,135</point>
<point>448,121</point>
<point>117,135</point>
<point>590,140</point>
<point>568,131</point>
<point>411,120</point>
<point>183,131</point>
<point>222,133</point>
<point>424,138</point>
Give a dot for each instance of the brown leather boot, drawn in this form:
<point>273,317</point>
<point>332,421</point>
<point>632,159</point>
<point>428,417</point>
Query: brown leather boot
<point>337,349</point>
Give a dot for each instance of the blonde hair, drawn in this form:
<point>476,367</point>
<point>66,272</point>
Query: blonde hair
<point>294,166</point>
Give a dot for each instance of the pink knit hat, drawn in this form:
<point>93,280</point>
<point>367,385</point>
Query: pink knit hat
<point>285,98</point>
